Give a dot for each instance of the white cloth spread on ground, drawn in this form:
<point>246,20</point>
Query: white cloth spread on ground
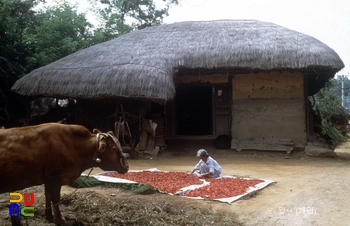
<point>250,190</point>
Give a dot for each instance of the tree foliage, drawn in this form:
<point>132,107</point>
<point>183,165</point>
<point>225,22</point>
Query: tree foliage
<point>328,100</point>
<point>15,17</point>
<point>122,16</point>
<point>333,117</point>
<point>57,32</point>
<point>141,13</point>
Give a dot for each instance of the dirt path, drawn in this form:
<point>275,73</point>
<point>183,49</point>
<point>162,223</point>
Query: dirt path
<point>308,190</point>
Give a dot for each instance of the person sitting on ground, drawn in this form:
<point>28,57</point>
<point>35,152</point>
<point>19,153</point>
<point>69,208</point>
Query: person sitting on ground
<point>207,166</point>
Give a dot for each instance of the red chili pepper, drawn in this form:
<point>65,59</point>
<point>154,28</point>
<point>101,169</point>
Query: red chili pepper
<point>168,182</point>
<point>172,182</point>
<point>223,188</point>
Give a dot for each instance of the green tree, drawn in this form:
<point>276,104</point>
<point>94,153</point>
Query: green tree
<point>333,116</point>
<point>328,100</point>
<point>58,31</point>
<point>15,17</point>
<point>119,17</point>
<point>29,40</point>
<point>111,26</point>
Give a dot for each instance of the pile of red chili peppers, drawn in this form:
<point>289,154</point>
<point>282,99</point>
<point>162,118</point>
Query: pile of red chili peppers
<point>172,182</point>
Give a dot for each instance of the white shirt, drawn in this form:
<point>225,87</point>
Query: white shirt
<point>211,165</point>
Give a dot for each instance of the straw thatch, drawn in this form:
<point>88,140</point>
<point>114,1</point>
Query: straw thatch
<point>141,64</point>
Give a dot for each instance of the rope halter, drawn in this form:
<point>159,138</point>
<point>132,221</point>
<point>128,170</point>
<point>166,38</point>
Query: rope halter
<point>116,142</point>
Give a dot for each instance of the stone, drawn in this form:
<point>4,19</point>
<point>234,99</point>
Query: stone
<point>317,150</point>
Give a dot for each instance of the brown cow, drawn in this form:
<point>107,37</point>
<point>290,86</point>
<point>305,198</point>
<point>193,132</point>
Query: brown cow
<point>54,155</point>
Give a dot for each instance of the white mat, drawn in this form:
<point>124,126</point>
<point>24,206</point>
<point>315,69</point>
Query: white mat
<point>228,200</point>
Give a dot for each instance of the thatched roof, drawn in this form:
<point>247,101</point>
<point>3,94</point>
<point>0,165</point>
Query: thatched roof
<point>141,64</point>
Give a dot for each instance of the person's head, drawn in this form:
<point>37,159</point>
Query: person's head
<point>203,154</point>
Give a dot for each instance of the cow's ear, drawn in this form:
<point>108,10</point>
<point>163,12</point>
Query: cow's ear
<point>96,131</point>
<point>110,132</point>
<point>102,146</point>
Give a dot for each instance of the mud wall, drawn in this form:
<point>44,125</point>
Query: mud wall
<point>212,79</point>
<point>268,111</point>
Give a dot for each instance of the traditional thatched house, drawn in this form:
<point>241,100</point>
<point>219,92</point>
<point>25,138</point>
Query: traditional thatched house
<point>247,79</point>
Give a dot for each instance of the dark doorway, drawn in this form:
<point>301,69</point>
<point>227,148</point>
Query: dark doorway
<point>194,110</point>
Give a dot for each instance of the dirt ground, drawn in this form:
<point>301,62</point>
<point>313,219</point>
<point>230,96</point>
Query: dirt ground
<point>308,190</point>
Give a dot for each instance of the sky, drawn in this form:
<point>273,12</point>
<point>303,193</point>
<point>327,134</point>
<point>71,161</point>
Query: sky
<point>326,20</point>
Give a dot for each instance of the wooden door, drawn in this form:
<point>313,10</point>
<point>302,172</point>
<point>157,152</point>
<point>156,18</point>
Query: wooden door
<point>221,110</point>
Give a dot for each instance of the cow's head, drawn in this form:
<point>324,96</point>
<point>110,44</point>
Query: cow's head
<point>109,153</point>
